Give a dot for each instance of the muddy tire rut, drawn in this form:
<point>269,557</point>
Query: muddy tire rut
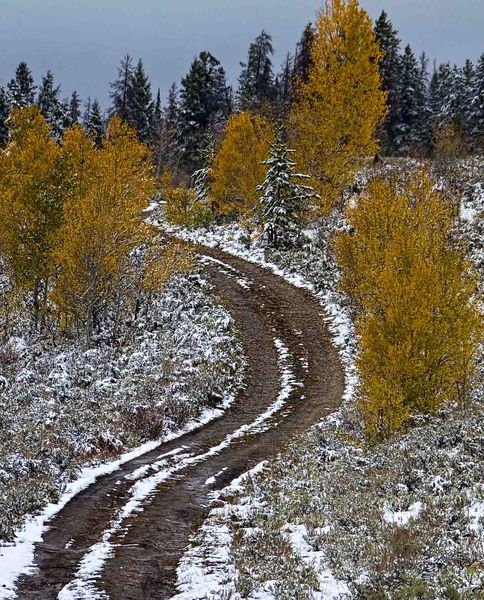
<point>148,545</point>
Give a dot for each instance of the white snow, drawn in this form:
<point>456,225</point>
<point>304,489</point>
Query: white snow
<point>402,517</point>
<point>82,586</point>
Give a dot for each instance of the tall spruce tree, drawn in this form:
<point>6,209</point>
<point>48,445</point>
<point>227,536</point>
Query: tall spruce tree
<point>389,42</point>
<point>74,108</point>
<point>477,113</point>
<point>302,59</point>
<point>284,85</point>
<point>256,81</point>
<point>50,105</point>
<point>120,87</point>
<point>94,122</point>
<point>203,106</point>
<point>467,82</point>
<point>443,92</point>
<point>4,112</point>
<point>139,104</point>
<point>411,126</point>
<point>284,198</point>
<point>21,89</point>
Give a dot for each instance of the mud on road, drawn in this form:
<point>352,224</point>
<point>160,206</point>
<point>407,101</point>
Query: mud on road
<point>145,549</point>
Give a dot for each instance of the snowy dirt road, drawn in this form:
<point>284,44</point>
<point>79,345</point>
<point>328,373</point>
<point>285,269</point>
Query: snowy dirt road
<point>123,536</point>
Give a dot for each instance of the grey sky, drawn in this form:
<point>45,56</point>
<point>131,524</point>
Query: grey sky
<point>82,41</point>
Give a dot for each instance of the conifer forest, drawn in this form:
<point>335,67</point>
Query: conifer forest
<point>241,321</point>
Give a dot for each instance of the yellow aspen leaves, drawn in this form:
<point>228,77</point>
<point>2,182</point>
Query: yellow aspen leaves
<point>333,122</point>
<point>416,299</point>
<point>103,221</point>
<point>237,168</point>
<point>30,204</point>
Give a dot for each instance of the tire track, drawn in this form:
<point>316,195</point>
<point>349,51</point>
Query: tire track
<point>141,553</point>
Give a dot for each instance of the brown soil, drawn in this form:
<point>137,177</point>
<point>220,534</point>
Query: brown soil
<point>144,563</point>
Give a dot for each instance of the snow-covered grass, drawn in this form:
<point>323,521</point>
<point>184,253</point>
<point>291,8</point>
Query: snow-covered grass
<point>67,409</point>
<point>333,517</point>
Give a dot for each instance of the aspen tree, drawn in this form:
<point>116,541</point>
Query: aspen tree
<point>237,167</point>
<point>416,300</point>
<point>337,111</point>
<point>103,222</point>
<point>30,204</point>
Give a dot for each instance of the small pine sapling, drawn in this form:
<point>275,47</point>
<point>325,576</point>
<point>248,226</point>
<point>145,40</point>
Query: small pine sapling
<point>285,199</point>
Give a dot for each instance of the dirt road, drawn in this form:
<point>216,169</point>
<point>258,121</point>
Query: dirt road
<point>99,546</point>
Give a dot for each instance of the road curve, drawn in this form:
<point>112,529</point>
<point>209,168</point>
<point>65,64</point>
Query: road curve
<point>146,548</point>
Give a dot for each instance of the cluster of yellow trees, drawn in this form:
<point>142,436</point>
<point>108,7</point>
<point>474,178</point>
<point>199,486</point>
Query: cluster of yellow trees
<point>416,301</point>
<point>71,216</point>
<point>331,125</point>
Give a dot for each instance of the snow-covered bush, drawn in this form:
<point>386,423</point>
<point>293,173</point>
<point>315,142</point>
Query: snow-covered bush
<point>63,405</point>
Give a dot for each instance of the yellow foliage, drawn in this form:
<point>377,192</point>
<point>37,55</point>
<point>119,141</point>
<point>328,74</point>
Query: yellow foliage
<point>183,207</point>
<point>103,221</point>
<point>418,321</point>
<point>30,201</point>
<point>161,263</point>
<point>334,120</point>
<point>237,168</point>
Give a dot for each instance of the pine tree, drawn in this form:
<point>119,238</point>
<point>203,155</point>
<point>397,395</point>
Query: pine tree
<point>467,83</point>
<point>202,178</point>
<point>21,89</point>
<point>285,199</point>
<point>203,106</point>
<point>74,108</point>
<point>303,61</point>
<point>333,122</point>
<point>94,122</point>
<point>4,113</point>
<point>256,81</point>
<point>139,104</point>
<point>172,108</point>
<point>120,87</point>
<point>442,93</point>
<point>477,113</point>
<point>50,105</point>
<point>386,36</point>
<point>284,86</point>
<point>411,125</point>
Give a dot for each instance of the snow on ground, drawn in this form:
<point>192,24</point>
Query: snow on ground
<point>180,368</point>
<point>83,585</point>
<point>333,518</point>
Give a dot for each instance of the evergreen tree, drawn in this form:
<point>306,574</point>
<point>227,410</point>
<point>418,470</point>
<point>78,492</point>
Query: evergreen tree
<point>443,95</point>
<point>202,178</point>
<point>256,81</point>
<point>171,110</point>
<point>120,87</point>
<point>467,83</point>
<point>74,108</point>
<point>284,198</point>
<point>284,85</point>
<point>303,60</point>
<point>411,126</point>
<point>203,105</point>
<point>21,89</point>
<point>139,104</point>
<point>50,105</point>
<point>4,112</point>
<point>386,36</point>
<point>477,113</point>
<point>93,121</point>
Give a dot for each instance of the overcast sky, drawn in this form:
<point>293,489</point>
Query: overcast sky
<point>82,41</point>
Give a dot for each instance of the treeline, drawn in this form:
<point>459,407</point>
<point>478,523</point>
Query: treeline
<point>420,105</point>
<point>76,254</point>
